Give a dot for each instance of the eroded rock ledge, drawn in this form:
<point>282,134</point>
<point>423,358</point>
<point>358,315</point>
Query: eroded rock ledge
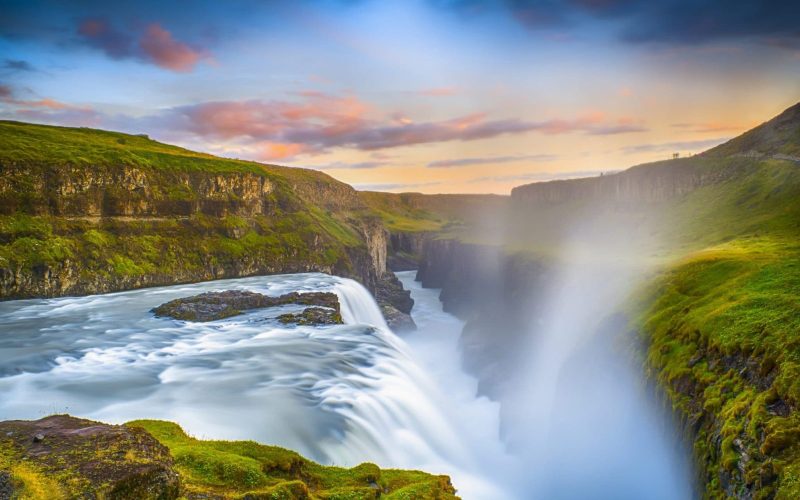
<point>66,457</point>
<point>211,306</point>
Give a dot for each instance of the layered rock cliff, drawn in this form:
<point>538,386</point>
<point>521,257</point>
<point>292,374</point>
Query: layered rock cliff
<point>126,212</point>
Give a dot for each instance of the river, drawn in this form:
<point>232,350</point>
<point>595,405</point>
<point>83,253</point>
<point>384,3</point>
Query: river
<point>340,394</point>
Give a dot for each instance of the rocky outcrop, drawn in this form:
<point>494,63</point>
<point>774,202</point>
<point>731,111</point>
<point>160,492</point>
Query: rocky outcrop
<point>312,316</point>
<point>211,306</point>
<point>395,303</point>
<point>651,183</point>
<point>120,190</point>
<point>67,457</point>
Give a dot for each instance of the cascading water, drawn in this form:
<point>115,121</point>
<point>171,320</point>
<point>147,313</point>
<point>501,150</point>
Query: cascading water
<point>339,394</point>
<point>576,425</point>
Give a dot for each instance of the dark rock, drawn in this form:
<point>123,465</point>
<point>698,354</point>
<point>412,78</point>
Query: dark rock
<point>37,438</point>
<point>212,306</point>
<point>313,316</point>
<point>91,459</point>
<point>398,321</point>
<point>389,290</point>
<point>6,486</point>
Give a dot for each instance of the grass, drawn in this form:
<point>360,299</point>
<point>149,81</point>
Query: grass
<point>233,469</point>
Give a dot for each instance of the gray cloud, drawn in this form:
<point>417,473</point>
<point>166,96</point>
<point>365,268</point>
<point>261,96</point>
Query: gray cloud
<point>541,176</point>
<point>463,162</point>
<point>677,146</point>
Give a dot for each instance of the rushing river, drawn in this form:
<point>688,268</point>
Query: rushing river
<point>340,394</point>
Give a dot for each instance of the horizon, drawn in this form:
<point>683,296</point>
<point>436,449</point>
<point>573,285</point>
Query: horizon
<point>424,96</point>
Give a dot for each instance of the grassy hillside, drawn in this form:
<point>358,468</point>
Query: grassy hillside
<point>156,459</point>
<point>84,211</point>
<point>723,328</point>
<point>239,468</point>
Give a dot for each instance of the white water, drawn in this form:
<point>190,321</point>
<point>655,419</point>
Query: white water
<point>338,394</point>
<point>577,421</point>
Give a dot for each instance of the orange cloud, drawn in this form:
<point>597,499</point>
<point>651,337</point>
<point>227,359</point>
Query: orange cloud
<point>166,52</point>
<point>280,151</point>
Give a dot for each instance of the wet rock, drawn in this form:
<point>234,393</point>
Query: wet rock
<point>313,316</point>
<point>89,460</point>
<point>212,306</point>
<point>389,290</point>
<point>398,321</point>
<point>6,486</point>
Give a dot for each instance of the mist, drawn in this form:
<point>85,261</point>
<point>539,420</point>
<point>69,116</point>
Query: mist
<point>578,415</point>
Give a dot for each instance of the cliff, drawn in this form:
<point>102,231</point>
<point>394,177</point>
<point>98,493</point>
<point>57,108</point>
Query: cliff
<point>86,211</point>
<point>61,457</point>
<point>649,183</point>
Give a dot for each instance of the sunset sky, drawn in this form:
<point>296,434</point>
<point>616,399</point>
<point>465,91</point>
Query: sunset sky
<point>429,96</point>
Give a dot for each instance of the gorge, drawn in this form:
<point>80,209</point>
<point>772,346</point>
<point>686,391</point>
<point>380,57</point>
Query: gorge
<point>627,336</point>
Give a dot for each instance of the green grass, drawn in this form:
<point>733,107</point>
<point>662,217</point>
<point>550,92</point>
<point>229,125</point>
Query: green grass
<point>233,469</point>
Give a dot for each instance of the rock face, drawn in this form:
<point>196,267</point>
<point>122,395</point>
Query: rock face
<point>395,303</point>
<point>651,183</point>
<point>78,230</point>
<point>112,190</point>
<point>495,294</point>
<point>398,321</point>
<point>405,249</point>
<point>67,457</point>
<point>211,306</point>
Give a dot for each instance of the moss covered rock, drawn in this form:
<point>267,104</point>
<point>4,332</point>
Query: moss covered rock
<point>66,457</point>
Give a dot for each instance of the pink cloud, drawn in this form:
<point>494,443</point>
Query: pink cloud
<point>156,45</point>
<point>439,92</point>
<point>321,121</point>
<point>166,52</point>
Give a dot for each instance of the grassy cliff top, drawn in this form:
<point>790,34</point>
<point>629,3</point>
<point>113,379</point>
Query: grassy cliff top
<point>242,468</point>
<point>60,457</point>
<point>29,142</point>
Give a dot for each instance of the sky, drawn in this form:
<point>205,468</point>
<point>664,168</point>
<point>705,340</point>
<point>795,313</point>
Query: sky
<point>435,96</point>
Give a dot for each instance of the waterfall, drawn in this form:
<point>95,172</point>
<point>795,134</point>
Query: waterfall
<point>340,394</point>
<point>357,305</point>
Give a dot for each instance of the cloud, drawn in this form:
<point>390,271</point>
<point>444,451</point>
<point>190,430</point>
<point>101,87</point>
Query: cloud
<point>464,162</point>
<point>709,127</point>
<point>7,96</point>
<point>677,22</point>
<point>339,165</point>
<point>676,146</point>
<point>15,65</point>
<point>166,52</point>
<point>315,123</point>
<point>438,92</point>
<point>71,116</point>
<point>395,186</point>
<point>688,21</point>
<point>541,176</point>
<point>99,34</point>
<point>280,151</point>
<point>155,45</point>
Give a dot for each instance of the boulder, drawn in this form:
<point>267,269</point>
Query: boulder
<point>397,320</point>
<point>212,306</point>
<point>66,457</point>
<point>313,316</point>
